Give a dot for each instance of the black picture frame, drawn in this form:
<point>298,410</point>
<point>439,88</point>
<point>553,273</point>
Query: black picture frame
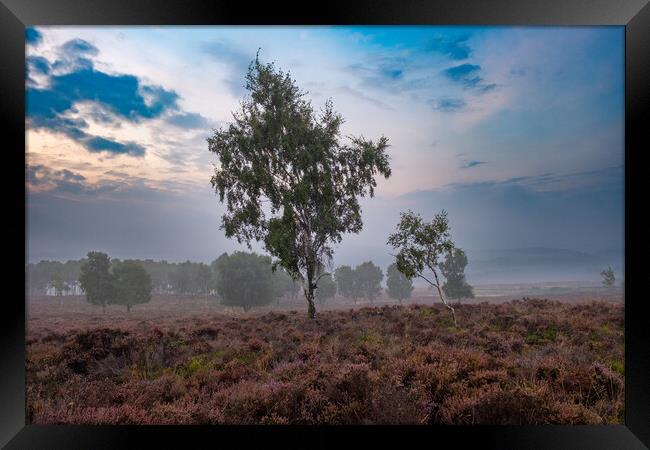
<point>633,14</point>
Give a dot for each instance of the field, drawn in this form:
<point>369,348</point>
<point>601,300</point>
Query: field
<point>183,361</point>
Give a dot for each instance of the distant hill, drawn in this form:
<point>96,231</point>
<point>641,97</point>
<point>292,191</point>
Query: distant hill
<point>539,264</point>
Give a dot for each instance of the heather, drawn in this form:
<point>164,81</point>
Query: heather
<point>520,362</point>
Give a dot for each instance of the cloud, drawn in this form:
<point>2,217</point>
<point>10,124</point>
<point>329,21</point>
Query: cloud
<point>44,179</point>
<point>360,95</point>
<point>188,120</point>
<point>78,47</point>
<point>453,48</point>
<point>38,64</point>
<point>608,177</point>
<point>463,72</point>
<point>33,36</point>
<point>99,144</point>
<point>382,72</point>
<point>468,76</point>
<point>238,59</point>
<point>228,52</point>
<point>121,95</point>
<point>604,179</point>
<point>510,214</point>
<point>471,164</point>
<point>448,104</point>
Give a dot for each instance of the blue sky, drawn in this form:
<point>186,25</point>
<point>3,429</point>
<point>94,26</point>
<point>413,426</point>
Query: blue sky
<point>518,132</point>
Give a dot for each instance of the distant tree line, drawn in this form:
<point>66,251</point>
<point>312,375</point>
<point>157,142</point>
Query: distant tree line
<point>241,279</point>
<point>185,278</point>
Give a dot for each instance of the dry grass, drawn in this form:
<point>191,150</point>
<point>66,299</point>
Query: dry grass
<point>522,362</point>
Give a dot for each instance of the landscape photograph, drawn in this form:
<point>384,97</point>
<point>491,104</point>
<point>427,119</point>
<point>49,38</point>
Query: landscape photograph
<point>324,225</point>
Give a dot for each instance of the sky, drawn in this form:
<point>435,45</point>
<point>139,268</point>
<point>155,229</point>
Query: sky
<point>518,132</point>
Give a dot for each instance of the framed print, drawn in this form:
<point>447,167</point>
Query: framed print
<point>383,221</point>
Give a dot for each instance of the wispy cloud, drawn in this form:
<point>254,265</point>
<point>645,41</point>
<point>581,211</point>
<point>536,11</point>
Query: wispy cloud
<point>455,48</point>
<point>471,164</point>
<point>383,72</point>
<point>238,60</point>
<point>468,76</point>
<point>448,104</point>
<point>188,120</point>
<point>43,179</point>
<point>367,98</point>
<point>602,178</point>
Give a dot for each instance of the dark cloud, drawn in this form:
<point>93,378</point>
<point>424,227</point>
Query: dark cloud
<point>448,104</point>
<point>609,176</point>
<point>453,48</point>
<point>511,214</point>
<point>77,47</point>
<point>63,181</point>
<point>463,72</point>
<point>392,73</point>
<point>188,120</point>
<point>468,76</point>
<point>38,64</point>
<point>122,96</point>
<point>42,105</point>
<point>99,144</point>
<point>471,164</point>
<point>33,36</point>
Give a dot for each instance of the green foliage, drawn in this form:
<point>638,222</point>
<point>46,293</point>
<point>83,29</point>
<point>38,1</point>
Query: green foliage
<point>453,269</point>
<point>246,280</point>
<point>59,284</point>
<point>326,288</point>
<point>193,365</point>
<point>132,284</point>
<point>420,246</point>
<point>202,278</point>
<point>608,277</point>
<point>345,282</point>
<point>284,285</point>
<point>618,366</point>
<point>368,280</point>
<point>370,338</point>
<point>544,335</point>
<point>399,286</point>
<point>96,280</point>
<point>181,278</point>
<point>42,274</point>
<point>287,178</point>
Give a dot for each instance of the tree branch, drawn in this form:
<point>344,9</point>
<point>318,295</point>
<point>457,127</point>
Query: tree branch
<point>428,281</point>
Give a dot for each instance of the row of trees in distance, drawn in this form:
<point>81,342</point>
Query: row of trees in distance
<point>241,279</point>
